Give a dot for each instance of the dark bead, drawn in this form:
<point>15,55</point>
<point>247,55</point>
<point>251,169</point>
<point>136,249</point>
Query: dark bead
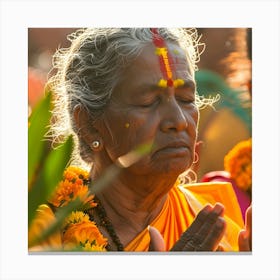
<point>104,220</point>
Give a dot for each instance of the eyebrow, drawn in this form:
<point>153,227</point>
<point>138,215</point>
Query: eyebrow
<point>188,83</point>
<point>149,87</point>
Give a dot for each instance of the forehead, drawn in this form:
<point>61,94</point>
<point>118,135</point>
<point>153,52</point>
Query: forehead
<point>146,67</point>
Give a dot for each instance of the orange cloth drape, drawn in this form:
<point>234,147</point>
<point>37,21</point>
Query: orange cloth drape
<point>180,208</point>
<point>182,205</point>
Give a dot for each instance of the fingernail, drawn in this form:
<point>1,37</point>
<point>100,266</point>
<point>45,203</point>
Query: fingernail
<point>220,222</point>
<point>218,208</point>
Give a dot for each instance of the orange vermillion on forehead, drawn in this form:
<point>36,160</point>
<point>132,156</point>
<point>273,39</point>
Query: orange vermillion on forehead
<point>165,61</point>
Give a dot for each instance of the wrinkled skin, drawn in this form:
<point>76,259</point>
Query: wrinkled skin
<point>205,233</point>
<point>139,112</point>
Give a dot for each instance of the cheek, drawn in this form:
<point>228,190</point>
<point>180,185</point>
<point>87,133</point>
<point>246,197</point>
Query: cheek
<point>194,112</point>
<point>192,118</point>
<point>127,130</point>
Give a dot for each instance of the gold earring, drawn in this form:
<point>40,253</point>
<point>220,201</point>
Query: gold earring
<point>95,144</point>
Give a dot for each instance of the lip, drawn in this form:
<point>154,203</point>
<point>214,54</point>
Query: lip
<point>176,149</point>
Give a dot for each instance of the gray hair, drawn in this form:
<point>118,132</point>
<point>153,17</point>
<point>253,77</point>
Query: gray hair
<point>88,71</point>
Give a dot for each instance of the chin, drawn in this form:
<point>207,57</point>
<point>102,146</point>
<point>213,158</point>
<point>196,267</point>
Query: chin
<point>171,167</point>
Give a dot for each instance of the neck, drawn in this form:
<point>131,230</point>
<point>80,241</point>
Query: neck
<point>131,205</point>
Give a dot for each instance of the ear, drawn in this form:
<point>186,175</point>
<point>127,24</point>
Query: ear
<point>86,130</point>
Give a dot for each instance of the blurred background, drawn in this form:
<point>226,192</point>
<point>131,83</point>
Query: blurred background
<point>224,69</point>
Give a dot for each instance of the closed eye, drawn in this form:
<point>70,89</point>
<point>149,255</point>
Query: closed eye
<point>185,98</point>
<point>149,103</point>
<point>185,101</point>
<point>185,94</point>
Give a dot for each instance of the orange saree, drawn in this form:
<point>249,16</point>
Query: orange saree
<point>182,205</point>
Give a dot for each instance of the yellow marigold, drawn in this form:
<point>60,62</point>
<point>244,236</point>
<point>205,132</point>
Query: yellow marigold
<point>43,219</point>
<point>92,247</point>
<point>76,217</point>
<point>238,162</point>
<point>73,185</point>
<point>74,172</point>
<point>79,234</point>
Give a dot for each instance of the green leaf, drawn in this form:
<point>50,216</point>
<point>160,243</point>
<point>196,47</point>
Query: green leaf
<point>39,121</point>
<point>49,176</point>
<point>55,164</point>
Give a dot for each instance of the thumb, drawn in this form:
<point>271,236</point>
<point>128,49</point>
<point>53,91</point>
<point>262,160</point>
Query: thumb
<point>243,241</point>
<point>156,240</point>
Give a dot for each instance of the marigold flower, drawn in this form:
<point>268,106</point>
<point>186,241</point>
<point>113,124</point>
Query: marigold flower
<point>74,172</point>
<point>79,234</point>
<point>43,219</point>
<point>73,185</point>
<point>78,231</point>
<point>76,217</point>
<point>92,247</point>
<point>238,162</point>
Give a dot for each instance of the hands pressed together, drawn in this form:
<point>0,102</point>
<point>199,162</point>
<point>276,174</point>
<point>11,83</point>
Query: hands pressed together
<point>205,233</point>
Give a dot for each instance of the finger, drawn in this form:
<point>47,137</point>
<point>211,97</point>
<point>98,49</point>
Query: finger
<point>199,229</point>
<point>220,249</point>
<point>243,241</point>
<point>248,224</point>
<point>156,240</point>
<point>248,219</point>
<point>211,242</point>
<point>193,229</point>
<point>209,223</point>
<point>200,220</point>
<point>207,237</point>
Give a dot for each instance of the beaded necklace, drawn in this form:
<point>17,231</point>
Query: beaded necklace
<point>104,221</point>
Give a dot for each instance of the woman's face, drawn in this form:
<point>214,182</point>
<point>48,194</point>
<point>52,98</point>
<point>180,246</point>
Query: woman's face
<point>141,111</point>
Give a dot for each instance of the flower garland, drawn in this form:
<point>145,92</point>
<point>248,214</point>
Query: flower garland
<point>78,231</point>
<point>238,162</point>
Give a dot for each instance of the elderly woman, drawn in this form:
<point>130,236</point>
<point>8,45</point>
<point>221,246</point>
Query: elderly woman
<point>119,88</point>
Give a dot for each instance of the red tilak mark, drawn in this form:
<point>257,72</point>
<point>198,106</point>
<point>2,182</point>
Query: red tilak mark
<point>160,43</point>
<point>163,68</point>
<point>157,39</point>
<point>170,83</point>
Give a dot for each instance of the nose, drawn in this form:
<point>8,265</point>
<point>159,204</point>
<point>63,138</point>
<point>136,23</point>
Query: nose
<point>174,119</point>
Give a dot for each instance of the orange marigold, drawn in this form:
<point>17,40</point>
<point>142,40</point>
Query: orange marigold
<point>92,247</point>
<point>77,217</point>
<point>43,219</point>
<point>238,162</point>
<point>78,232</point>
<point>73,185</point>
<point>84,234</point>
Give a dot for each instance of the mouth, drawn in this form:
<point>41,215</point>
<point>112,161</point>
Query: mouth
<point>174,149</point>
